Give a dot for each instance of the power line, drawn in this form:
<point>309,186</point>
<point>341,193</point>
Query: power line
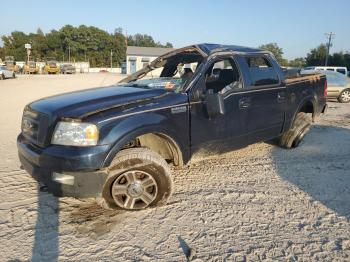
<point>329,35</point>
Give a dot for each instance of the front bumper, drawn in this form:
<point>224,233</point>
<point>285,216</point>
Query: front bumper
<point>69,71</point>
<point>50,165</point>
<point>53,70</point>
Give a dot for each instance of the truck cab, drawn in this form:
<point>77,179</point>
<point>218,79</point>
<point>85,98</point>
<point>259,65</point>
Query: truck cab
<point>116,142</point>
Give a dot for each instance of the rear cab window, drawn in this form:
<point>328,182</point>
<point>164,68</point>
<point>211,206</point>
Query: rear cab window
<point>262,72</point>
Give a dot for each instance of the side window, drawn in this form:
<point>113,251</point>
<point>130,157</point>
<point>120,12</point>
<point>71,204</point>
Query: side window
<point>261,71</point>
<point>222,76</point>
<point>341,70</point>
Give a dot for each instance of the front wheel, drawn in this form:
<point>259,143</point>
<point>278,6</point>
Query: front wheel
<point>344,96</point>
<point>137,178</point>
<point>300,127</point>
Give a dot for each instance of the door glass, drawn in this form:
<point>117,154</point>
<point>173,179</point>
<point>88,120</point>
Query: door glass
<point>222,76</point>
<point>261,71</point>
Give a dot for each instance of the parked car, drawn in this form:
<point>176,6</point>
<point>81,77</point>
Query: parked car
<point>340,69</point>
<point>11,65</point>
<point>67,69</point>
<point>115,142</point>
<point>6,73</point>
<point>51,67</point>
<point>338,85</point>
<point>30,68</point>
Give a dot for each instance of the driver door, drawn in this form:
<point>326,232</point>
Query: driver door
<point>226,131</point>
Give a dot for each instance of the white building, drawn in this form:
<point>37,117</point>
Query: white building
<point>137,57</point>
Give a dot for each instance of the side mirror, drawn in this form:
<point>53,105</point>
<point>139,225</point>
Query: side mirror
<point>215,104</point>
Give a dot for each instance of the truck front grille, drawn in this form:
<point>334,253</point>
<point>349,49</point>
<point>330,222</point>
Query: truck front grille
<point>34,126</point>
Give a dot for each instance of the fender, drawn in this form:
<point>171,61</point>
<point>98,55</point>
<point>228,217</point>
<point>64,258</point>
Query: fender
<point>309,98</point>
<point>129,128</point>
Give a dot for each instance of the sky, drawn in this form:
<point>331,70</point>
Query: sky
<point>296,26</point>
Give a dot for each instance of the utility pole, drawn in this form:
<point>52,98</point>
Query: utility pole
<point>329,35</point>
<point>69,53</point>
<point>111,59</point>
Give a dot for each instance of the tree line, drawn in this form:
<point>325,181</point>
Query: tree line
<point>83,43</point>
<point>316,57</point>
<point>88,43</point>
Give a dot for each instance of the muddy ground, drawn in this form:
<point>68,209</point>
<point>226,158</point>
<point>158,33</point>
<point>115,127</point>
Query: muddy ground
<point>258,203</point>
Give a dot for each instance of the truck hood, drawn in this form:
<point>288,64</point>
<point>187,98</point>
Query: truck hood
<point>87,102</point>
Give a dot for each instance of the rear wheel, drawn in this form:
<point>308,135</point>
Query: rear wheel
<point>138,178</point>
<point>344,96</point>
<point>295,135</point>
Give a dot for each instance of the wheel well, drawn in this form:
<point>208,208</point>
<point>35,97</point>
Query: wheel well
<point>308,107</point>
<point>159,143</point>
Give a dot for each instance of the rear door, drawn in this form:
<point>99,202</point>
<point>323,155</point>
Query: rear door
<point>264,98</point>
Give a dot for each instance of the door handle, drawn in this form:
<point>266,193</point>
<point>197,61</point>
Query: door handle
<point>244,103</point>
<point>281,97</point>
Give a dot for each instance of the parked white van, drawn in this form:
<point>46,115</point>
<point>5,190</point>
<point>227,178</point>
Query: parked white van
<point>339,69</point>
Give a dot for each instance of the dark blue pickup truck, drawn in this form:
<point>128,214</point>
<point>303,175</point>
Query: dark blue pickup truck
<point>115,143</point>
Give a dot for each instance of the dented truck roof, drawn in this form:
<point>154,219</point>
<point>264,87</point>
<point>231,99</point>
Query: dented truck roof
<point>209,49</point>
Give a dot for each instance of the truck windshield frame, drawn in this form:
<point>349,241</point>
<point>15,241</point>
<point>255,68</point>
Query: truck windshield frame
<point>182,63</point>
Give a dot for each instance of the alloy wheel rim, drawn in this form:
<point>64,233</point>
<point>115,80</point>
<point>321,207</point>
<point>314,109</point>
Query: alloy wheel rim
<point>134,189</point>
<point>345,96</point>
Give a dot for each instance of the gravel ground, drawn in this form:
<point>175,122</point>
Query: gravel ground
<point>258,203</point>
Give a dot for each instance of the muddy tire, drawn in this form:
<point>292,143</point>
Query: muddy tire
<point>295,135</point>
<point>137,178</point>
<point>344,96</point>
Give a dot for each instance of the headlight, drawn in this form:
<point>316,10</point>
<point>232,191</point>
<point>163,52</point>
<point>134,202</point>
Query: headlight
<point>75,134</point>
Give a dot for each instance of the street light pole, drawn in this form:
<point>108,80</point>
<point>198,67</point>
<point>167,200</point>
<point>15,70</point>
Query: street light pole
<point>329,35</point>
<point>28,47</point>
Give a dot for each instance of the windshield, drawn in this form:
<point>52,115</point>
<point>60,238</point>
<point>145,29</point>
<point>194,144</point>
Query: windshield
<point>172,71</point>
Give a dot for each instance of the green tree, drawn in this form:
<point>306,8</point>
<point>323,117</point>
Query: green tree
<point>83,43</point>
<point>145,40</point>
<point>337,59</point>
<point>347,60</point>
<point>2,53</point>
<point>14,45</point>
<point>276,51</point>
<point>297,62</point>
<point>317,56</point>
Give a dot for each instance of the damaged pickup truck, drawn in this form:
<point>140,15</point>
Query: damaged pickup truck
<point>115,143</point>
